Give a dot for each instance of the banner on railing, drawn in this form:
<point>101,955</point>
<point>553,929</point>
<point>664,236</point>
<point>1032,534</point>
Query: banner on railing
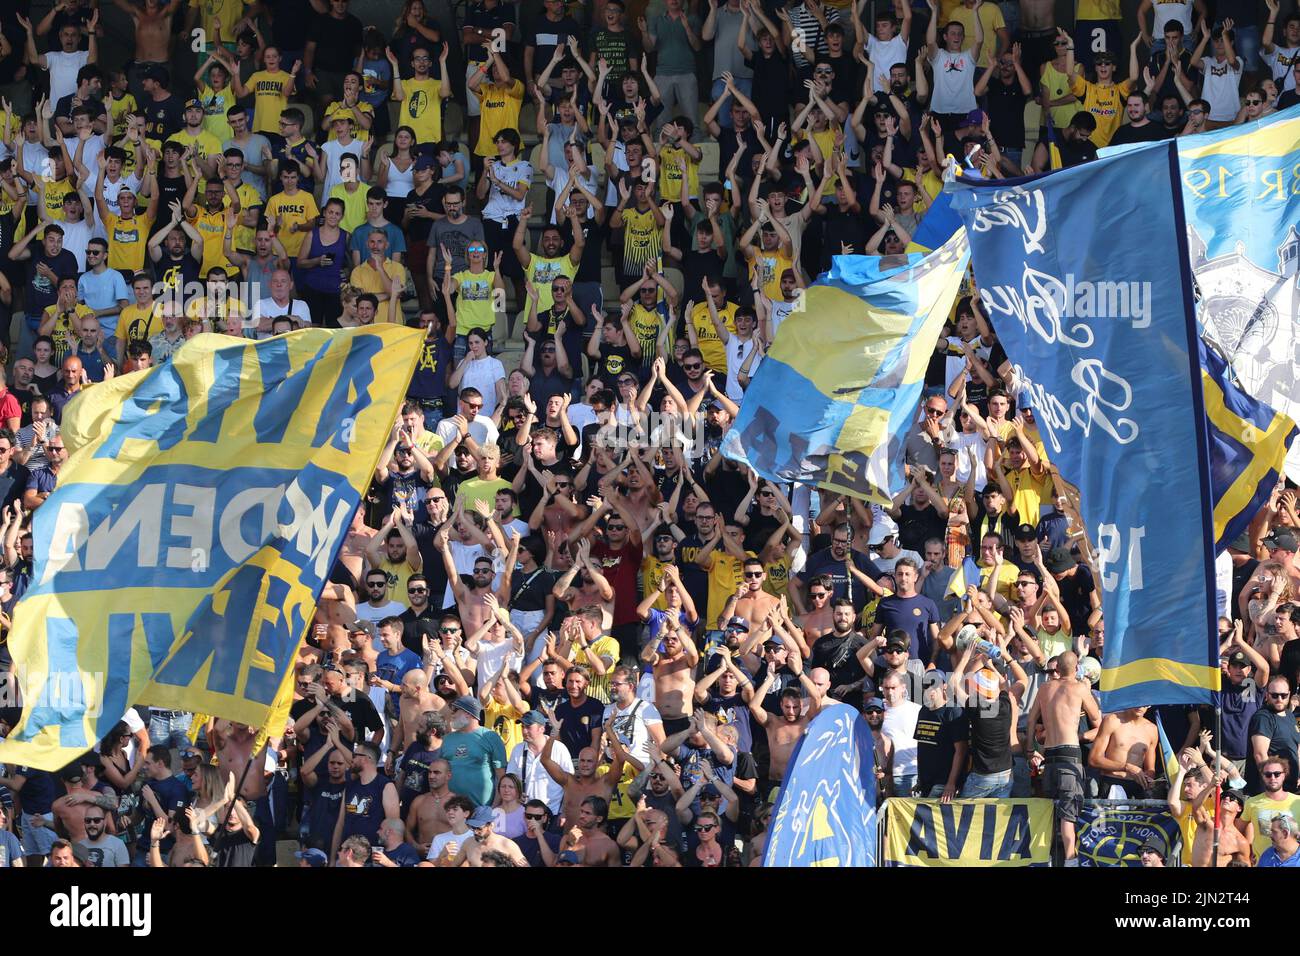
<point>968,832</point>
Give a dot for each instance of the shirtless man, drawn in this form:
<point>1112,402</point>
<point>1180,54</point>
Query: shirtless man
<point>233,743</point>
<point>582,782</point>
<point>674,672</point>
<point>427,817</point>
<point>353,552</point>
<point>415,700</point>
<point>755,603</point>
<point>336,610</point>
<point>1125,753</point>
<point>472,602</point>
<point>588,838</point>
<point>471,851</point>
<point>70,809</point>
<point>783,732</point>
<point>1233,844</point>
<point>153,30</point>
<point>1058,705</point>
<point>362,647</point>
<point>818,619</point>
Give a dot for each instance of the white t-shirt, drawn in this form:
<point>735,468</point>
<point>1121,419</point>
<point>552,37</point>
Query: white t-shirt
<point>490,656</point>
<point>113,190</point>
<point>63,72</point>
<point>482,429</point>
<point>538,784</point>
<point>1221,88</point>
<point>738,351</point>
<point>1167,10</point>
<point>955,362</point>
<point>75,237</point>
<point>499,206</point>
<point>954,82</point>
<point>484,374</point>
<point>1281,61</point>
<point>887,564</point>
<point>632,725</point>
<point>373,615</point>
<point>438,843</point>
<point>270,308</point>
<point>883,55</point>
<point>900,728</point>
<point>779,313</point>
<point>963,441</point>
<point>334,151</point>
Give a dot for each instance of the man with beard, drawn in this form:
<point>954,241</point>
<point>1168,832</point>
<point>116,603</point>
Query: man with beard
<point>837,652</point>
<point>527,764</point>
<point>579,715</point>
<point>784,729</point>
<point>587,838</point>
<point>322,796</point>
<point>427,817</point>
<point>476,754</point>
<point>369,799</point>
<point>908,611</point>
<point>413,766</point>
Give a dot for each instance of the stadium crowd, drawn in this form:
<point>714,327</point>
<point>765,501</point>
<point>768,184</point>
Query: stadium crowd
<point>564,630</point>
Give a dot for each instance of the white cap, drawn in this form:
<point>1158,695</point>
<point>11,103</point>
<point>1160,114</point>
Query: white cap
<point>882,528</point>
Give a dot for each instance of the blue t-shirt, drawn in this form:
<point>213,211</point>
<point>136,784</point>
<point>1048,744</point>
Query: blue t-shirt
<point>732,710</point>
<point>404,855</point>
<point>914,615</point>
<point>361,235</point>
<point>104,291</point>
<point>392,668</point>
<point>10,849</point>
<point>39,791</point>
<point>322,810</point>
<point>1270,858</point>
<point>473,756</point>
<point>414,765</point>
<point>172,795</point>
<point>658,618</point>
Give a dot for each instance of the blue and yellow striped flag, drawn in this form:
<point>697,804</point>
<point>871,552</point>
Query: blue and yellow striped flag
<point>832,403</point>
<point>965,575</point>
<point>193,529</point>
<point>1248,449</point>
<point>1168,756</point>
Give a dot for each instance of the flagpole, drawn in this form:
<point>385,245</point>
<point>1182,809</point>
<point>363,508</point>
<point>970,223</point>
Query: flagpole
<point>1218,766</point>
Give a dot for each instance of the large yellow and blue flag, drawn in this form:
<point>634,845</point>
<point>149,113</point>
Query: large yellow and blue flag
<point>965,575</point>
<point>834,398</point>
<point>194,527</point>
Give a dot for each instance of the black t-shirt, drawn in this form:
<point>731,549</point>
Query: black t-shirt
<point>697,266</point>
<point>1075,591</point>
<point>484,19</point>
<point>235,849</point>
<point>417,227</point>
<point>727,146</point>
<point>529,590</point>
<point>1076,153</point>
<point>843,228</point>
<point>1128,133</point>
<point>544,695</point>
<point>846,86</point>
<point>579,722</point>
<point>163,118</point>
<point>916,525</point>
<point>414,764</point>
<point>839,656</point>
<point>416,627</point>
<point>546,384</point>
<point>1006,108</point>
<point>937,734</point>
<point>594,236</point>
<point>42,292</point>
<point>615,360</point>
<point>528,847</point>
<point>824,562</point>
<point>760,528</point>
<point>771,84</point>
<point>176,273</point>
<point>362,713</point>
<point>546,34</point>
<point>532,492</point>
<point>290,27</point>
<point>321,811</point>
<point>989,723</point>
<point>338,41</point>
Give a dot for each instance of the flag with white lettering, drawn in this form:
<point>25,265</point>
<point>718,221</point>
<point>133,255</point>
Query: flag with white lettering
<point>1084,275</point>
<point>194,527</point>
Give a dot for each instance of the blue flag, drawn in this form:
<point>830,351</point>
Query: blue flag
<point>1084,274</point>
<point>826,812</point>
<point>964,577</point>
<point>833,400</point>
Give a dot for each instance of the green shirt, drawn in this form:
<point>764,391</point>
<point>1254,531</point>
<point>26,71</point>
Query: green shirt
<point>473,756</point>
<point>675,53</point>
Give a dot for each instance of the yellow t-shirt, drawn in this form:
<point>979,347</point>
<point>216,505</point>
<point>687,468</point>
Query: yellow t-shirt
<point>212,227</point>
<point>646,324</point>
<point>499,109</point>
<point>1006,578</point>
<point>710,346</point>
<point>993,21</point>
<point>1057,85</point>
<point>65,337</point>
<point>358,131</point>
<point>777,581</point>
<point>542,271</point>
<point>213,312</point>
<point>269,99</point>
<point>54,193</point>
<point>1106,103</point>
<point>248,196</point>
<point>127,240</point>
<point>769,266</point>
<point>205,143</point>
<point>602,647</point>
<point>641,240</point>
<point>826,143</point>
<point>474,300</point>
<point>398,572</point>
<point>621,804</point>
<point>135,324</point>
<point>652,572</point>
<point>216,104</point>
<point>1030,493</point>
<point>725,578</point>
<point>354,205</point>
<point>422,109</point>
<point>670,175</point>
<point>503,720</point>
<point>366,278</point>
<point>1098,10</point>
<point>1260,810</point>
<point>219,13</point>
<point>288,212</point>
<point>117,110</point>
<point>128,147</point>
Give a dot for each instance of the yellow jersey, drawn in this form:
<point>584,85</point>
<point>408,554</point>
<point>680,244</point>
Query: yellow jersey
<point>541,272</point>
<point>1106,103</point>
<point>602,647</point>
<point>670,174</point>
<point>1260,810</point>
<point>1098,10</point>
<point>725,578</point>
<point>204,143</point>
<point>270,99</point>
<point>503,720</point>
<point>647,324</point>
<point>127,240</point>
<point>498,109</point>
<point>641,240</point>
<point>366,278</point>
<point>710,346</point>
<point>64,335</point>
<point>422,109</point>
<point>136,324</point>
<point>223,14</point>
<point>1031,491</point>
<point>652,573</point>
<point>216,104</point>
<point>474,300</point>
<point>117,110</point>
<point>337,107</point>
<point>768,266</point>
<point>54,192</point>
<point>290,211</point>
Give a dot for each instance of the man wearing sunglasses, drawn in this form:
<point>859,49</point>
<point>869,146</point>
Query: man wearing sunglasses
<point>485,840</point>
<point>1273,733</point>
<point>1275,799</point>
<point>378,604</point>
<point>101,848</point>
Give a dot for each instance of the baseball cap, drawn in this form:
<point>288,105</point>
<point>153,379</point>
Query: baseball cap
<point>481,817</point>
<point>72,772</point>
<point>313,856</point>
<point>738,624</point>
<point>1025,532</point>
<point>469,705</point>
<point>534,718</point>
<point>193,104</point>
<point>424,162</point>
<point>1238,659</point>
<point>1282,540</point>
<point>897,644</point>
<point>973,118</point>
<point>884,527</point>
<point>568,856</point>
<point>776,640</point>
<point>874,703</point>
<point>709,790</point>
<point>1059,560</point>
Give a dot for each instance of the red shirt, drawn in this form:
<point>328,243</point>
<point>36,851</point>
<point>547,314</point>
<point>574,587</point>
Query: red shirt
<point>620,568</point>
